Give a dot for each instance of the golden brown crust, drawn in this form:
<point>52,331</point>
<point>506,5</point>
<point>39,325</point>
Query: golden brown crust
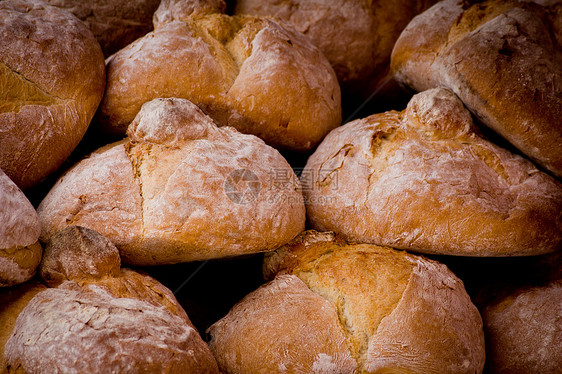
<point>52,79</point>
<point>502,58</point>
<point>423,180</point>
<point>523,329</point>
<point>356,36</point>
<point>199,191</point>
<point>267,331</point>
<point>398,312</point>
<point>247,72</point>
<point>114,23</point>
<point>99,317</point>
<point>20,251</point>
<point>114,334</point>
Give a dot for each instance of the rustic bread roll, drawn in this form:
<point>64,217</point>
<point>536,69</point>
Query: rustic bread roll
<point>342,308</point>
<point>20,251</point>
<point>502,58</point>
<point>114,23</point>
<point>356,36</point>
<point>180,189</point>
<point>52,79</point>
<point>249,73</point>
<point>523,330</point>
<point>101,318</point>
<point>424,180</point>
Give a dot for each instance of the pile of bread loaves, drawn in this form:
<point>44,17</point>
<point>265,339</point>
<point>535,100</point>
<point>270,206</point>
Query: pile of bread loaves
<point>152,133</point>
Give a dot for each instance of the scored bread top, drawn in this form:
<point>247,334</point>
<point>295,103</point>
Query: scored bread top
<point>246,72</point>
<point>180,189</point>
<point>52,79</point>
<point>502,58</point>
<point>396,311</point>
<point>424,180</point>
<point>98,317</point>
<point>356,36</point>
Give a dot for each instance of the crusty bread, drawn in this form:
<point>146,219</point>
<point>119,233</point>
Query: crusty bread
<point>180,189</point>
<point>12,301</point>
<point>100,318</point>
<point>424,180</point>
<point>20,251</point>
<point>356,36</point>
<point>502,58</point>
<point>523,329</point>
<point>52,79</point>
<point>341,308</point>
<point>249,73</point>
<point>114,23</point>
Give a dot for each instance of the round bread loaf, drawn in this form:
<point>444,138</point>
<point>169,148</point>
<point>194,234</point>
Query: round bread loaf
<point>20,251</point>
<point>356,36</point>
<point>114,23</point>
<point>249,73</point>
<point>100,318</point>
<point>52,79</point>
<point>502,59</point>
<point>424,180</point>
<point>180,189</point>
<point>351,308</point>
<point>523,329</point>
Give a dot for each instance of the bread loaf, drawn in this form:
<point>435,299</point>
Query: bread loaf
<point>249,73</point>
<point>114,23</point>
<point>52,79</point>
<point>424,180</point>
<point>502,59</point>
<point>20,251</point>
<point>356,36</point>
<point>180,189</point>
<point>101,318</point>
<point>522,326</point>
<point>343,308</point>
<point>13,300</point>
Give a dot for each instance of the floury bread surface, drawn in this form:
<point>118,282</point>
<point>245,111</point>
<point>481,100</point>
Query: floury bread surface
<point>522,327</point>
<point>246,72</point>
<point>180,189</point>
<point>502,58</point>
<point>343,308</point>
<point>424,180</point>
<point>20,251</point>
<point>114,23</point>
<point>99,318</point>
<point>356,36</point>
<point>52,79</point>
